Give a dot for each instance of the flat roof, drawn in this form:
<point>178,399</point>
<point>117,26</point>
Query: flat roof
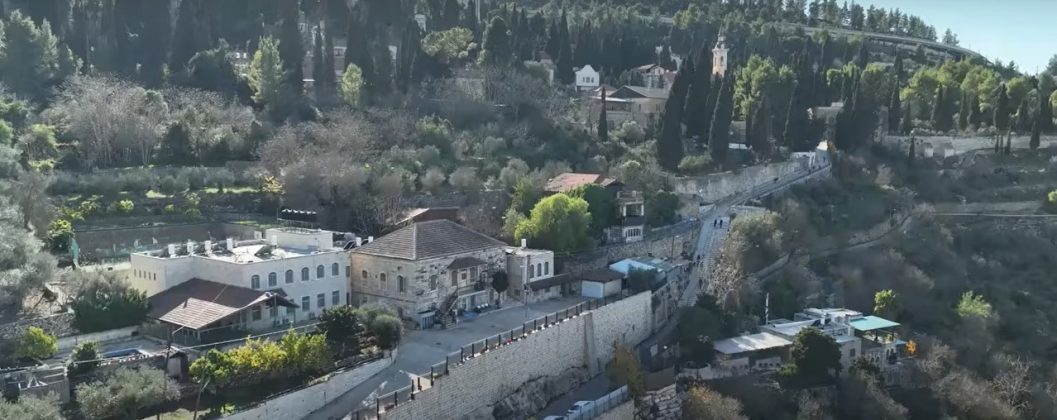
<point>751,342</point>
<point>870,323</point>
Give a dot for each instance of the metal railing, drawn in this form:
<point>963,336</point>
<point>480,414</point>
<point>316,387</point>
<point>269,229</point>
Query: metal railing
<point>469,351</point>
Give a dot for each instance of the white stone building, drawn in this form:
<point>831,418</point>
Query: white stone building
<point>587,78</point>
<point>243,284</point>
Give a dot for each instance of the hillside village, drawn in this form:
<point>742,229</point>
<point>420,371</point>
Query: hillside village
<point>475,209</point>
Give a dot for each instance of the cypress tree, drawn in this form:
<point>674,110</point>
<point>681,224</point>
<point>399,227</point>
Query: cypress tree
<point>497,47</point>
<point>553,40</point>
<point>697,112</point>
<point>759,136</point>
<point>942,120</point>
<point>603,122</point>
<point>410,47</point>
<point>894,108</point>
<point>383,68</point>
<point>1001,110</point>
<point>451,14</point>
<point>719,132</point>
<point>863,57</point>
<point>976,118</point>
<point>154,41</point>
<point>469,19</point>
<point>319,66</point>
<point>907,125</point>
<point>665,60</point>
<point>963,112</point>
<point>1035,134</point>
<point>328,61</point>
<point>1024,117</point>
<point>912,153</point>
<point>1009,143</point>
<point>185,42</point>
<point>1045,110</point>
<point>564,64</point>
<point>290,47</point>
<point>670,144</point>
<point>795,133</point>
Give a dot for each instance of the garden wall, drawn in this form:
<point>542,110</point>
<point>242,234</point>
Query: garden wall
<point>60,325</point>
<point>297,404</point>
<point>714,187</point>
<point>69,342</point>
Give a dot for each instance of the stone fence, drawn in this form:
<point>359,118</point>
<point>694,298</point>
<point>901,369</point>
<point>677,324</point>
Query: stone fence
<point>59,325</point>
<point>715,187</point>
<point>469,382</point>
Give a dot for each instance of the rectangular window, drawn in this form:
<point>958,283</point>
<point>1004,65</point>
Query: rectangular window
<point>348,272</point>
<point>306,303</point>
<point>547,268</point>
<point>335,298</point>
<point>321,300</point>
<point>532,271</point>
<point>256,312</point>
<point>454,278</point>
<point>473,273</point>
<point>401,284</point>
<point>851,353</point>
<point>255,282</point>
<point>462,275</point>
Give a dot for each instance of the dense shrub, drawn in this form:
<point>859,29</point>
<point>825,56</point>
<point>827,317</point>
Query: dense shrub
<point>36,344</point>
<point>105,301</point>
<point>125,392</point>
<point>257,361</point>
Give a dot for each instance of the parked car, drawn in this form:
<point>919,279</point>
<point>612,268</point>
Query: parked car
<point>580,407</point>
<point>554,418</point>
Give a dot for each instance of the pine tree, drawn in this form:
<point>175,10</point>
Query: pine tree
<point>697,112</point>
<point>497,48</point>
<point>154,41</point>
<point>603,122</point>
<point>319,67</point>
<point>907,125</point>
<point>670,144</point>
<point>1035,134</point>
<point>719,132</point>
<point>291,48</point>
<point>1001,110</point>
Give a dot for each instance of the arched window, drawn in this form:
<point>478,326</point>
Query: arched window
<point>320,271</point>
<point>255,281</point>
<point>289,276</point>
<point>273,279</point>
<point>304,274</point>
<point>532,271</point>
<point>334,269</point>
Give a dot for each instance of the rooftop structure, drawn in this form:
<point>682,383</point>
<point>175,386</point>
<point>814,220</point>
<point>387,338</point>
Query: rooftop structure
<point>431,239</point>
<point>750,343</point>
<point>197,303</point>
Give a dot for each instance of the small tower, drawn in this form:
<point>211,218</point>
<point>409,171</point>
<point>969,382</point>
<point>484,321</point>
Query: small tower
<point>719,57</point>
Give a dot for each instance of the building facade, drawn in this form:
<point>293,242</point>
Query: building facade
<point>587,78</point>
<point>255,281</point>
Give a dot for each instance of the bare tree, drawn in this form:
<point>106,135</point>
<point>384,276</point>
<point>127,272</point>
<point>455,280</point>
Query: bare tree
<point>1013,382</point>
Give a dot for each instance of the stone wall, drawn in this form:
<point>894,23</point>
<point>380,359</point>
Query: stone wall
<point>296,404</point>
<point>473,388</point>
<point>662,404</point>
<point>60,325</point>
<point>714,187</point>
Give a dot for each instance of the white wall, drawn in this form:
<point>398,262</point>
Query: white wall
<point>300,403</point>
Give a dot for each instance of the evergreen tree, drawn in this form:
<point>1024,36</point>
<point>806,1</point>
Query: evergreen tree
<point>319,67</point>
<point>1009,143</point>
<point>329,77</point>
<point>900,74</point>
<point>451,14</point>
<point>1045,110</point>
<point>603,121</point>
<point>912,153</point>
<point>670,144</point>
<point>759,136</point>
<point>32,60</point>
<point>907,125</point>
<point>863,57</point>
<point>795,134</point>
<point>719,132</point>
<point>497,48</point>
<point>185,42</point>
<point>382,82</point>
<point>963,112</point>
<point>564,64</point>
<point>1035,134</point>
<point>665,60</point>
<point>976,118</point>
<point>894,108</point>
<point>408,72</point>
<point>176,147</point>
<point>469,19</point>
<point>291,49</point>
<point>942,119</point>
<point>1001,110</point>
<point>697,111</point>
<point>154,41</point>
<point>358,50</point>
<point>1024,119</point>
<point>553,40</point>
<point>266,78</point>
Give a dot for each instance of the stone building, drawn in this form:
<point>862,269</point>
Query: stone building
<point>427,271</point>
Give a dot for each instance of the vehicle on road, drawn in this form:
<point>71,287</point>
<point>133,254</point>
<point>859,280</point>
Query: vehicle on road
<point>555,418</point>
<point>580,407</point>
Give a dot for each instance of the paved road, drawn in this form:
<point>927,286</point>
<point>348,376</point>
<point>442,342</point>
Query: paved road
<point>420,349</point>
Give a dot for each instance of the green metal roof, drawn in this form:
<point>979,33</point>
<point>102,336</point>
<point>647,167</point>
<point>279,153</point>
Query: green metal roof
<point>870,323</point>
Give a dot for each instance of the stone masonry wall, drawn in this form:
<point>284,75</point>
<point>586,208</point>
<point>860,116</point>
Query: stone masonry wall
<point>714,187</point>
<point>662,404</point>
<point>625,411</point>
<point>60,325</point>
<point>668,242</point>
<point>472,387</point>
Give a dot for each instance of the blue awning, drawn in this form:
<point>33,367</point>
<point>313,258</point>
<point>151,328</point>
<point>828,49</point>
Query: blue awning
<point>870,323</point>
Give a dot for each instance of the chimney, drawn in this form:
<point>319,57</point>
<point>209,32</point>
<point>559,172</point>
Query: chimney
<point>208,244</point>
<point>524,242</point>
<point>359,241</point>
<point>231,244</point>
<point>370,239</point>
<point>172,250</point>
<point>273,241</point>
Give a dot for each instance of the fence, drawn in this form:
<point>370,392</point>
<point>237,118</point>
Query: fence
<point>602,405</point>
<point>453,360</point>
